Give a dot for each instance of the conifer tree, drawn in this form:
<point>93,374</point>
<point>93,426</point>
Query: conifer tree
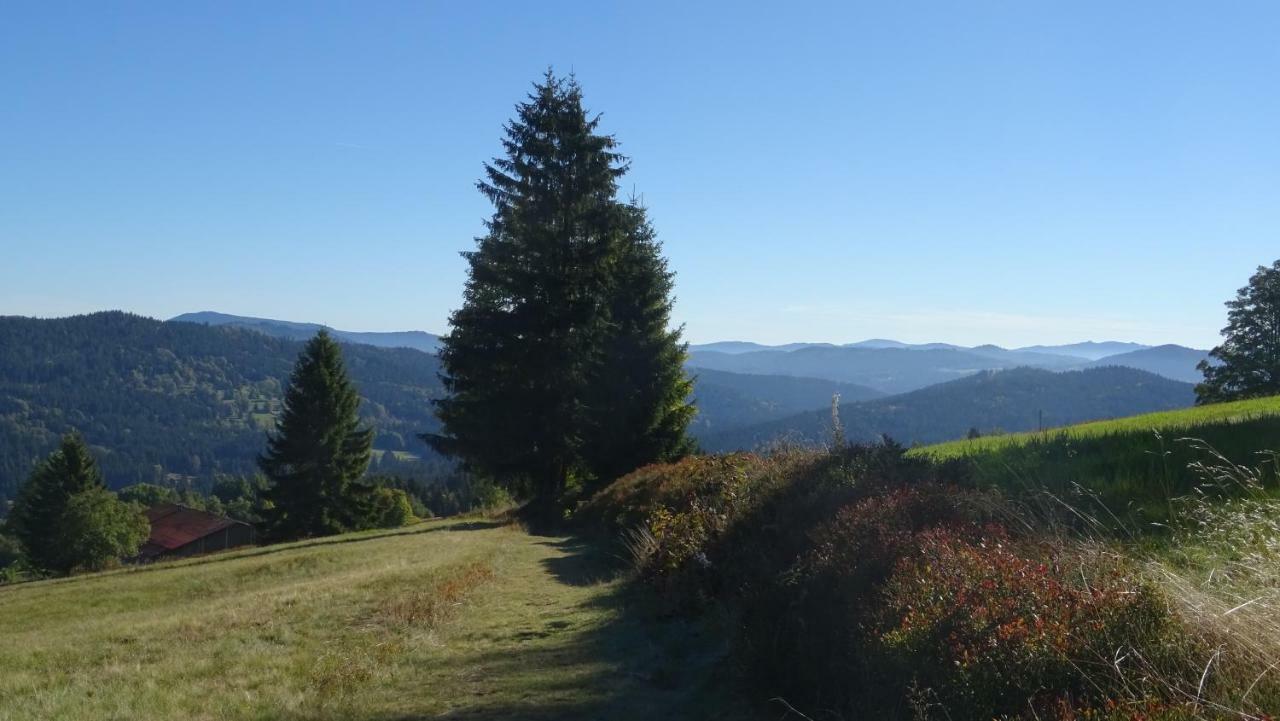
<point>560,366</point>
<point>36,516</point>
<point>640,407</point>
<point>1247,364</point>
<point>518,357</point>
<point>319,451</point>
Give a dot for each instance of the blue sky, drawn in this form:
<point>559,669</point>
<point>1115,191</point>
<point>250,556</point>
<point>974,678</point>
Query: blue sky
<point>1007,172</point>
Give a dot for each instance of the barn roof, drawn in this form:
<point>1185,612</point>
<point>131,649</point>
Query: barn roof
<point>174,526</point>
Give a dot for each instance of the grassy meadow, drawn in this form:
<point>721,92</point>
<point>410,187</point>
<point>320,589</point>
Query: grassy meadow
<point>1135,465</point>
<point>465,619</point>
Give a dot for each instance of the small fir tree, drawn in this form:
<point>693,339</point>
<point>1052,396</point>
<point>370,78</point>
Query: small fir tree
<point>1247,364</point>
<point>319,451</point>
<point>37,512</point>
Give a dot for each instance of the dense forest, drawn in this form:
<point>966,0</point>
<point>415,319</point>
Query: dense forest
<point>178,403</point>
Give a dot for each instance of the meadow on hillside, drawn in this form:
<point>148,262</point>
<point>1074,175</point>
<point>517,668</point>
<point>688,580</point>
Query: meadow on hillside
<point>1134,465</point>
<point>466,618</point>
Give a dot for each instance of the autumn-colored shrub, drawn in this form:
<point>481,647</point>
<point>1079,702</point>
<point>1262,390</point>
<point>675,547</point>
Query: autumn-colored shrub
<point>994,626</point>
<point>805,634</point>
<point>870,585</point>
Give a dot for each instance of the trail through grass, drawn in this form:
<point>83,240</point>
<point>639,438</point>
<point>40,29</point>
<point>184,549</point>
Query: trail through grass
<point>445,619</point>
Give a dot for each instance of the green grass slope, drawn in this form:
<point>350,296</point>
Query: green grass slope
<point>458,619</point>
<point>1140,461</point>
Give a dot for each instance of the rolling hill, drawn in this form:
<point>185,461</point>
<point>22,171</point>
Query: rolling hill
<point>888,370</point>
<point>416,339</point>
<point>732,400</point>
<point>186,399</point>
<point>1171,361</point>
<point>1138,463</point>
<point>1011,400</point>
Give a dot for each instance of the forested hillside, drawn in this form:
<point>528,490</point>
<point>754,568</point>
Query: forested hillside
<point>733,400</point>
<point>1011,400</point>
<point>416,339</point>
<point>154,399</point>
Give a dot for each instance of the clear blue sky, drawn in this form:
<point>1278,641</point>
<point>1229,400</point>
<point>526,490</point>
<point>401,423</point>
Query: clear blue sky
<point>1007,172</point>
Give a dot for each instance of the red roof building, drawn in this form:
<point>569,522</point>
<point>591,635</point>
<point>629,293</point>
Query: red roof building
<point>178,531</point>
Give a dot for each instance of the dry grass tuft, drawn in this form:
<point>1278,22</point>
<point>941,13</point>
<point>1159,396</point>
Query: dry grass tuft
<point>431,606</point>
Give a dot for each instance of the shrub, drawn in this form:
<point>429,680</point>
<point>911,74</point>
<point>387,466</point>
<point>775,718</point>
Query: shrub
<point>994,627</point>
<point>804,634</point>
<point>391,508</point>
<point>97,530</point>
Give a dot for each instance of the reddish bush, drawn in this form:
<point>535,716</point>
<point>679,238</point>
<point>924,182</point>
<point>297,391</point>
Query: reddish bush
<point>993,627</point>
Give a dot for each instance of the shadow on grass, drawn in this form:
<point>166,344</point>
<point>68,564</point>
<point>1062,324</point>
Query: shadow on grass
<point>630,666</point>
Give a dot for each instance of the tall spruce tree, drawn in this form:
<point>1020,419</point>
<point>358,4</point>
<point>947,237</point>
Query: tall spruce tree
<point>524,356</point>
<point>319,451</point>
<point>1247,364</point>
<point>640,406</point>
<point>36,516</point>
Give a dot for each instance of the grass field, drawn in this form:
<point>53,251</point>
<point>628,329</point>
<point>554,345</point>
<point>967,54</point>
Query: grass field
<point>462,619</point>
<point>1136,464</point>
<point>1183,422</point>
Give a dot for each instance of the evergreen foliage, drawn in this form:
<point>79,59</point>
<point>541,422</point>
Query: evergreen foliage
<point>1247,364</point>
<point>319,450</point>
<point>37,515</point>
<point>530,355</point>
<point>640,407</point>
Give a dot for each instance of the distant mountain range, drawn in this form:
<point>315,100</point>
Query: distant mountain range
<point>991,401</point>
<point>416,339</point>
<point>891,367</point>
<point>1088,350</point>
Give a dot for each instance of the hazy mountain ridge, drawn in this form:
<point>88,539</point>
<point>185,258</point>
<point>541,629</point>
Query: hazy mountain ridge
<point>1010,400</point>
<point>1171,361</point>
<point>899,368</point>
<point>415,339</point>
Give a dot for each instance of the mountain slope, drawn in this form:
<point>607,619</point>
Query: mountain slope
<point>732,400</point>
<point>416,339</point>
<point>1011,400</point>
<point>889,370</point>
<point>1171,361</point>
<point>192,400</point>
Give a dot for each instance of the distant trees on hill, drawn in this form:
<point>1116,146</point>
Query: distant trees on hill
<point>1247,364</point>
<point>180,404</point>
<point>560,366</point>
<point>65,518</point>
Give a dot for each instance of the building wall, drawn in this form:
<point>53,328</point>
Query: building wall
<point>230,537</point>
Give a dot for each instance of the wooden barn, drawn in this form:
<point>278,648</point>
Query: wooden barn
<point>178,531</point>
